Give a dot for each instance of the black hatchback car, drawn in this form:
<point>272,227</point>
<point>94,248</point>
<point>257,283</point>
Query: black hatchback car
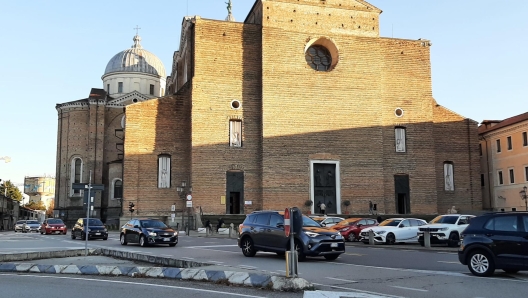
<point>148,231</point>
<point>495,241</point>
<point>264,231</point>
<point>96,229</point>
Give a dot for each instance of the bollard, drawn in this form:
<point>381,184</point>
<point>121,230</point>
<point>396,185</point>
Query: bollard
<point>371,237</point>
<point>427,239</point>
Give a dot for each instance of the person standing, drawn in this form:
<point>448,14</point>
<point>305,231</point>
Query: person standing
<point>220,224</point>
<point>322,207</point>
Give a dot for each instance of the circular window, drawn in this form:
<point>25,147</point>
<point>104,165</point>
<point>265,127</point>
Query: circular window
<point>135,100</point>
<point>235,104</point>
<point>398,112</point>
<point>318,57</point>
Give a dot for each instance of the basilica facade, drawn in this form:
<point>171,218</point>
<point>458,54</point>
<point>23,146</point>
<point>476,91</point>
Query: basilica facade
<point>300,104</point>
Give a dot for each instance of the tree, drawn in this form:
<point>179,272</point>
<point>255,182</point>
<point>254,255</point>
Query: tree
<point>10,190</point>
<point>49,211</point>
<point>36,205</point>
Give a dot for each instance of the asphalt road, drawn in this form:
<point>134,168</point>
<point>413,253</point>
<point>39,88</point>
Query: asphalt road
<point>400,270</point>
<point>52,286</point>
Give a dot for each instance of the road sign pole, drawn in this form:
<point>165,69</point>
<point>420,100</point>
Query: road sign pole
<point>86,232</point>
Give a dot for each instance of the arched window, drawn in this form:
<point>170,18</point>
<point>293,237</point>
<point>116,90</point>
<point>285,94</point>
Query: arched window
<point>75,175</point>
<point>118,189</point>
<point>164,171</point>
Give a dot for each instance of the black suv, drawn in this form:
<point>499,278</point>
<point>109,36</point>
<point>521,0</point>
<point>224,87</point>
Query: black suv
<point>495,241</point>
<point>264,231</point>
<point>96,229</point>
<point>148,231</point>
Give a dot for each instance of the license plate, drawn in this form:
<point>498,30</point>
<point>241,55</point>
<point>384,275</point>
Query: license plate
<point>333,245</point>
<point>97,233</point>
<point>166,239</point>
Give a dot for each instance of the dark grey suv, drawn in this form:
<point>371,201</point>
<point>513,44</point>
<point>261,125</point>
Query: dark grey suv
<point>264,231</point>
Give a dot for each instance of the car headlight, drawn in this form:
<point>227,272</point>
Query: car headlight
<point>345,229</point>
<point>381,232</point>
<point>312,234</point>
<point>152,234</point>
<point>89,230</point>
<point>106,230</point>
<point>175,233</point>
<point>443,229</point>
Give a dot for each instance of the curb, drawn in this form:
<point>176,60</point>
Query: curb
<point>271,282</point>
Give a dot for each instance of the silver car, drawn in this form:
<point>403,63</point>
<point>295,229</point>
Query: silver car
<point>19,226</point>
<point>31,226</point>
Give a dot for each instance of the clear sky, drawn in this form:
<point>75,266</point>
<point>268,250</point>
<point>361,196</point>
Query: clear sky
<point>56,51</point>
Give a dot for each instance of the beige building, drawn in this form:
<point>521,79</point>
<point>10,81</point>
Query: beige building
<point>504,162</point>
<point>40,189</point>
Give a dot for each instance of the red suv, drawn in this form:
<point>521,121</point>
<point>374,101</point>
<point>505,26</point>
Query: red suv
<point>351,227</point>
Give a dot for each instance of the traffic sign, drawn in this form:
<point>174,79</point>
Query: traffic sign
<point>287,222</point>
<point>189,197</point>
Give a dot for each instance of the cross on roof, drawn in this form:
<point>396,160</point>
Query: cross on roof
<point>137,29</point>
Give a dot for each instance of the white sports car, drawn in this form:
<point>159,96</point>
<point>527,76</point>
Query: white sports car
<point>394,230</point>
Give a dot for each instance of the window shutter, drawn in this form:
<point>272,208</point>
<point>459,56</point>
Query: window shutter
<point>400,139</point>
<point>164,172</point>
<point>448,174</point>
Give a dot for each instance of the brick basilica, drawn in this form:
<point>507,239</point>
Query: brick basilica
<point>301,102</point>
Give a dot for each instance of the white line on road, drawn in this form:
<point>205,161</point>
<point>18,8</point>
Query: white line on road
<point>339,279</point>
<point>361,291</point>
<point>447,262</point>
<point>247,267</point>
<point>411,289</point>
<point>133,283</point>
<point>207,246</point>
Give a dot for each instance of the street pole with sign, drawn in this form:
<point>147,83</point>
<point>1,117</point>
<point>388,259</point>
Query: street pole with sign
<point>291,255</point>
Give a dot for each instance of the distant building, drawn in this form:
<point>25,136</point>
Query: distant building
<point>40,189</point>
<point>504,162</point>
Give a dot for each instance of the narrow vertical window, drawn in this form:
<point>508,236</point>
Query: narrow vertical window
<point>76,175</point>
<point>480,149</point>
<point>501,182</point>
<point>118,189</point>
<point>525,138</point>
<point>151,89</point>
<point>108,88</point>
<point>120,87</point>
<point>399,133</point>
<point>164,163</point>
<point>448,176</point>
<point>526,174</point>
<point>510,147</point>
<point>235,133</point>
<point>482,180</point>
<point>162,92</point>
<point>498,146</point>
<point>512,176</point>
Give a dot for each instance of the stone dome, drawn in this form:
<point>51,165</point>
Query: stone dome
<point>135,59</point>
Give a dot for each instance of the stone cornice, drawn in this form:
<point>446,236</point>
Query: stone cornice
<point>504,130</point>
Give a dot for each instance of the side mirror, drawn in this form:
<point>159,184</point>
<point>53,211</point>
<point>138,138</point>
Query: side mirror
<point>401,226</point>
<point>279,225</point>
<point>136,227</point>
<point>323,224</point>
<point>359,225</point>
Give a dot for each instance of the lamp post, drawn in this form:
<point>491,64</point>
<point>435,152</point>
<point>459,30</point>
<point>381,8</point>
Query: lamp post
<point>524,196</point>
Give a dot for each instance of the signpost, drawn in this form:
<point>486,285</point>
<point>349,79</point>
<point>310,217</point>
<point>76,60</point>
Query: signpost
<point>89,199</point>
<point>291,255</point>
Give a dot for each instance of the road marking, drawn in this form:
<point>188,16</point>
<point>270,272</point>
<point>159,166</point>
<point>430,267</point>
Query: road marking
<point>411,289</point>
<point>361,291</point>
<point>247,267</point>
<point>233,252</point>
<point>352,254</point>
<point>211,242</point>
<point>447,262</point>
<point>339,279</point>
<point>133,283</point>
<point>207,246</point>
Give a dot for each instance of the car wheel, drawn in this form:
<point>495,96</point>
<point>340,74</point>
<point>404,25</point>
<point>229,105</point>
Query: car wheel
<point>64,233</point>
<point>41,233</point>
<point>72,235</point>
<point>172,244</point>
<point>142,241</point>
<point>105,238</point>
<point>351,237</point>
<point>247,247</point>
<point>511,271</point>
<point>391,239</point>
<point>300,254</point>
<point>331,257</point>
<point>453,240</point>
<point>122,239</point>
<point>480,263</point>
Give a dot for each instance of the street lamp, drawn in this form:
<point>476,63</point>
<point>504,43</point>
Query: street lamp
<point>183,190</point>
<point>185,194</point>
<point>524,196</point>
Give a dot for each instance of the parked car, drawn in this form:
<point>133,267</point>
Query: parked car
<point>264,231</point>
<point>148,231</point>
<point>327,221</point>
<point>496,240</point>
<point>18,225</point>
<point>31,226</point>
<point>394,230</point>
<point>53,226</point>
<point>95,229</point>
<point>351,227</point>
<point>445,229</point>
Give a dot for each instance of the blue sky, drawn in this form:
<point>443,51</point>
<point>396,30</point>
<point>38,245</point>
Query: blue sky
<point>56,51</point>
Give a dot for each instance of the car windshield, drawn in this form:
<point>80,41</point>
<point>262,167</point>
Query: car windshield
<point>55,221</point>
<point>390,222</point>
<point>93,222</point>
<point>308,222</point>
<point>318,219</point>
<point>32,222</point>
<point>20,222</point>
<point>152,224</point>
<point>347,222</point>
<point>445,219</point>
